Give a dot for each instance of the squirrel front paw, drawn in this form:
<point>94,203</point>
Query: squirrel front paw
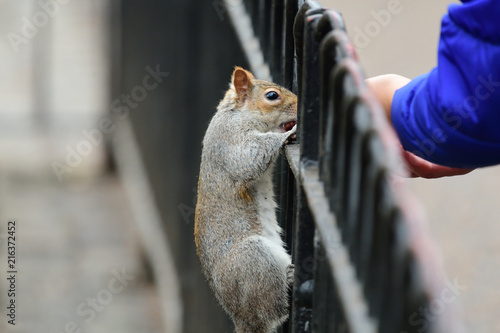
<point>291,135</point>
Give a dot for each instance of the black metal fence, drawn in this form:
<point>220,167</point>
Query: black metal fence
<point>364,262</point>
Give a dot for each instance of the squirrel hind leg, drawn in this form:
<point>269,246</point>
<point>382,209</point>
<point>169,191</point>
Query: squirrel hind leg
<point>254,285</point>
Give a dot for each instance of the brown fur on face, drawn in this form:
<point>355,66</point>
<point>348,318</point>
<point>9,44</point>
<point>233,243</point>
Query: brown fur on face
<point>251,94</point>
<point>287,101</point>
<point>249,89</point>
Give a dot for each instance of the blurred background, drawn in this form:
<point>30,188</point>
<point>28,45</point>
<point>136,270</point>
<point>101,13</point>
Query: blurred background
<point>79,260</point>
<point>100,152</point>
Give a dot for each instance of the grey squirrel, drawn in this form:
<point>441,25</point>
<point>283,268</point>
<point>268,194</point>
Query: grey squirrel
<point>237,236</point>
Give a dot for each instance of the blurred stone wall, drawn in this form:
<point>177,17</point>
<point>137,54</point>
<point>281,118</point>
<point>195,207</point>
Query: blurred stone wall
<point>54,84</point>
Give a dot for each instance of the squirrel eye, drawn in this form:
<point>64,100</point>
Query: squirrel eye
<point>272,95</point>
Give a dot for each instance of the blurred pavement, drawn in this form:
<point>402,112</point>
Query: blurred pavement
<point>78,258</point>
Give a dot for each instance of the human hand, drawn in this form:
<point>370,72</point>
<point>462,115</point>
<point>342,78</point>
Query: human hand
<point>418,167</point>
<point>384,87</point>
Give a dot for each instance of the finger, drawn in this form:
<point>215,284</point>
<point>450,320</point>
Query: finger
<point>419,167</point>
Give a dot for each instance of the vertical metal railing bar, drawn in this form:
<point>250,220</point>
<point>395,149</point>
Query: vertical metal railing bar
<point>289,71</point>
<point>286,78</point>
<point>327,30</point>
<point>308,9</point>
<point>301,314</point>
<point>301,305</point>
<point>287,202</point>
<point>286,66</point>
<point>362,206</point>
<point>256,12</point>
<point>265,29</point>
<point>390,320</point>
<point>290,233</point>
<point>287,211</point>
<point>344,186</point>
<point>308,85</point>
<point>415,297</point>
<point>249,6</point>
<point>320,294</point>
<point>379,261</point>
<point>307,74</point>
<point>343,105</point>
<point>331,53</point>
<point>277,40</point>
<point>373,152</point>
<point>344,89</point>
<point>370,285</point>
<point>327,308</point>
<point>361,121</point>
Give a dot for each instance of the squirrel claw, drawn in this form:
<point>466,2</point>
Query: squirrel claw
<point>292,135</point>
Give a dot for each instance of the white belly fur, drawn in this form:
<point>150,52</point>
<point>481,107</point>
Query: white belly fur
<point>271,231</point>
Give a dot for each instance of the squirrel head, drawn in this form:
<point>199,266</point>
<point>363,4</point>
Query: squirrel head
<point>269,106</point>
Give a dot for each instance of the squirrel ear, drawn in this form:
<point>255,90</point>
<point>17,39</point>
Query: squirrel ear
<point>242,81</point>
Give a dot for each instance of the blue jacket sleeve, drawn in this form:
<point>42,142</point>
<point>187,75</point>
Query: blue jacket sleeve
<point>451,115</point>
